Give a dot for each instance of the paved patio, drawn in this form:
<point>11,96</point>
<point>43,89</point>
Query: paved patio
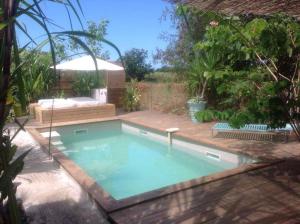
<point>48,193</point>
<point>268,195</point>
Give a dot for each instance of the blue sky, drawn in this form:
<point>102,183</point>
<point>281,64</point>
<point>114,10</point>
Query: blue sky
<point>133,23</point>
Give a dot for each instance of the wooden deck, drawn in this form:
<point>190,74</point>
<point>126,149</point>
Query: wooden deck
<point>265,195</point>
<point>270,195</point>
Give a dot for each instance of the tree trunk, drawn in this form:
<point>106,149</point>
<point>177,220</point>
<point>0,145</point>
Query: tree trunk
<point>6,40</point>
<point>6,35</point>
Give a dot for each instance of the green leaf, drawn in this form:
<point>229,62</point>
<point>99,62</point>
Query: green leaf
<point>75,12</point>
<point>10,172</point>
<point>3,25</point>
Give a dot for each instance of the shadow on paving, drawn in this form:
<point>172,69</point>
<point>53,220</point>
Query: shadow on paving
<point>48,193</point>
<point>269,195</point>
<point>259,148</point>
<point>64,212</point>
<point>37,161</point>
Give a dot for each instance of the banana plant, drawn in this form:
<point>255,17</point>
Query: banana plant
<point>38,78</point>
<point>11,76</point>
<point>202,69</point>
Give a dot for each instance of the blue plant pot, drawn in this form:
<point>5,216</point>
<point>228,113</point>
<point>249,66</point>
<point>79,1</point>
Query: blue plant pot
<point>195,107</point>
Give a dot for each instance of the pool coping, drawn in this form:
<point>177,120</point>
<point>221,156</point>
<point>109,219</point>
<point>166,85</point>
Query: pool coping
<point>107,202</point>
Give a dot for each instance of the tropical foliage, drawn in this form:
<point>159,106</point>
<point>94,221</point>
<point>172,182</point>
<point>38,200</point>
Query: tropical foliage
<point>9,169</point>
<point>259,73</point>
<point>202,69</point>
<point>38,78</point>
<point>84,83</point>
<point>11,81</point>
<point>256,70</point>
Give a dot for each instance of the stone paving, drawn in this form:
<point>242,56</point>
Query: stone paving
<point>48,193</point>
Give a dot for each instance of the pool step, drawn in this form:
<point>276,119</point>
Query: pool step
<point>57,143</point>
<point>55,136</point>
<point>55,139</point>
<point>61,147</point>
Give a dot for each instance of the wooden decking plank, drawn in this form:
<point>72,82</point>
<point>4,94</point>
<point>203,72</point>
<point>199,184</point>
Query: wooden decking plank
<point>194,203</point>
<point>204,204</point>
<point>243,215</point>
<point>182,198</point>
<point>263,212</point>
<point>246,181</point>
<point>190,200</point>
<point>267,191</point>
<point>226,184</point>
<point>291,220</point>
<point>204,207</point>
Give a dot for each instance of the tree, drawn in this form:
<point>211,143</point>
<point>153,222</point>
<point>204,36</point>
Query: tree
<point>190,24</point>
<point>98,31</point>
<point>259,77</point>
<point>135,63</point>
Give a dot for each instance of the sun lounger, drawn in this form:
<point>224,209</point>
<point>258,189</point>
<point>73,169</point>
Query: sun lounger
<point>250,131</point>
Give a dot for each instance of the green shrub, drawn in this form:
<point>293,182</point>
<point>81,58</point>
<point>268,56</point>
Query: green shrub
<point>214,115</point>
<point>131,100</point>
<point>86,81</point>
<point>206,115</point>
<point>38,78</point>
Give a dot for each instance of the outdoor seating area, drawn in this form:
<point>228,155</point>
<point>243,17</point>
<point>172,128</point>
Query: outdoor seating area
<point>258,132</point>
<point>76,108</point>
<point>150,112</point>
<point>101,104</point>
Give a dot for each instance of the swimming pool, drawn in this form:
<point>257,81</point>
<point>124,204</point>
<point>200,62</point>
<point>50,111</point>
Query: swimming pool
<point>128,160</point>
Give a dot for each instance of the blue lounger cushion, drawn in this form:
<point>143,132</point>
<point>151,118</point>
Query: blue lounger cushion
<point>250,127</point>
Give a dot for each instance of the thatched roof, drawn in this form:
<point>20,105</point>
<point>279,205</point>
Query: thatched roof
<point>255,7</point>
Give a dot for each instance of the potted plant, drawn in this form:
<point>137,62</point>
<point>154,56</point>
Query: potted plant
<point>201,71</point>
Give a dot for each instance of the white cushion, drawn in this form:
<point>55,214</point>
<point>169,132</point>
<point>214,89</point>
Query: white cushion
<point>84,101</point>
<point>60,104</point>
<point>42,101</point>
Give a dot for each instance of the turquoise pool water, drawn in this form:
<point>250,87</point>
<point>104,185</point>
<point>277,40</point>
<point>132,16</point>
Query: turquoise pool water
<point>126,164</point>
